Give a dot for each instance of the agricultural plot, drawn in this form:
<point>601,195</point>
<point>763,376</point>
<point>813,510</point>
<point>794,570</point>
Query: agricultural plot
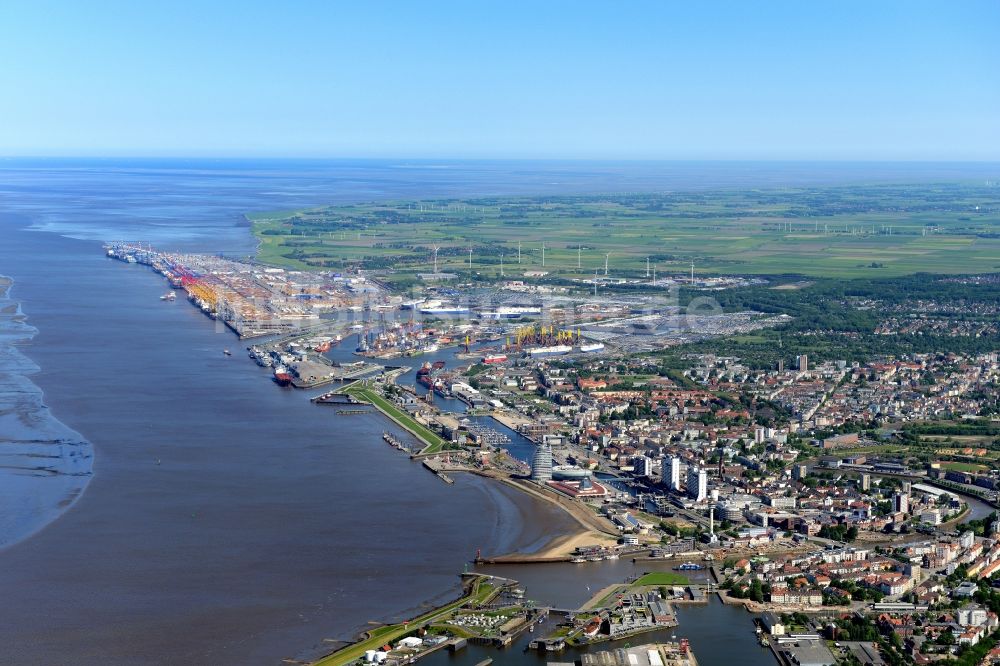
<point>823,232</point>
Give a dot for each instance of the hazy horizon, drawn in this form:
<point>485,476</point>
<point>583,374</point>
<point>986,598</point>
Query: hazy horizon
<point>895,81</point>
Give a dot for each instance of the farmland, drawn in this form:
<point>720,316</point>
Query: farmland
<point>842,232</point>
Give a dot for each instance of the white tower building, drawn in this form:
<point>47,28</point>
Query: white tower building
<point>697,484</point>
<point>672,473</point>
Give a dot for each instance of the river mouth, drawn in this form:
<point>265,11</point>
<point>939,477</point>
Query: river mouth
<point>242,522</point>
<point>44,465</point>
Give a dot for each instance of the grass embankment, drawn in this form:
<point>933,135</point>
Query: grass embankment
<point>376,638</point>
<point>433,442</point>
<point>608,595</point>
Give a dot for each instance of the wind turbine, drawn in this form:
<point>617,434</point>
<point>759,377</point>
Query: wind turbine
<point>501,264</point>
<point>436,248</point>
<point>647,266</point>
<point>543,254</point>
<point>606,264</point>
<point>579,249</point>
<point>519,252</point>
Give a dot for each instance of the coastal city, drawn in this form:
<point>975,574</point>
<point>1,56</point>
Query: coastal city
<point>500,334</point>
<point>848,505</point>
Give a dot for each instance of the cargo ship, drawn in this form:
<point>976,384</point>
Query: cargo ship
<point>554,350</point>
<point>445,310</point>
<point>490,359</point>
<point>323,346</point>
<point>282,376</point>
<point>597,346</point>
<point>424,375</point>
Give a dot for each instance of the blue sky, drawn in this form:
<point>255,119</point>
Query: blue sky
<point>580,80</point>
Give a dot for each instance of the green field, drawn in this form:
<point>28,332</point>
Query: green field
<point>657,578</point>
<point>834,232</point>
<point>964,467</point>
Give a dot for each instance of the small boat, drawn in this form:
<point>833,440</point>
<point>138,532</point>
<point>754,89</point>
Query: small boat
<point>169,296</point>
<point>578,560</point>
<point>227,352</point>
<point>689,566</point>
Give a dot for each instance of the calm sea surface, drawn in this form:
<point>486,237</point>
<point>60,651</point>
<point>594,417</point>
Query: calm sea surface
<point>174,506</point>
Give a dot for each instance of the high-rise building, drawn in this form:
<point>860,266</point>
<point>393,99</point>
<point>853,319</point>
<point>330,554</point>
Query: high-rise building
<point>697,483</point>
<point>866,482</point>
<point>901,503</point>
<point>799,472</point>
<point>672,473</point>
<point>541,463</point>
<point>642,466</point>
<point>802,362</point>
